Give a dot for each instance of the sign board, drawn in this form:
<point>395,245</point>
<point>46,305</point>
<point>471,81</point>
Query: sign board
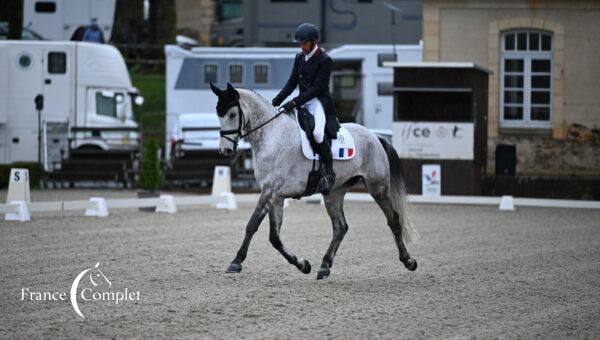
<point>18,186</point>
<point>434,140</point>
<point>431,180</point>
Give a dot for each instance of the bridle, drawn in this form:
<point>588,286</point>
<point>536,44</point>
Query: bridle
<point>222,110</point>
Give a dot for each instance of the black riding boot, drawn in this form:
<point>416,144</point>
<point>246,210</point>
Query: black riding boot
<point>329,178</point>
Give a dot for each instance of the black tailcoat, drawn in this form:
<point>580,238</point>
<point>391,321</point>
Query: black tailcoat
<point>312,77</point>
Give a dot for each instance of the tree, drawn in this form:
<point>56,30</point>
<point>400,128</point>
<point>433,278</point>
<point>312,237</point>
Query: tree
<point>13,13</point>
<point>128,27</point>
<point>162,21</point>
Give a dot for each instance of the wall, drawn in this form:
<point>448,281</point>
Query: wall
<point>194,18</point>
<point>471,31</point>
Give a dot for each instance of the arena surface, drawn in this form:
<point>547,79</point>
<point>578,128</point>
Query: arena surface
<point>533,273</point>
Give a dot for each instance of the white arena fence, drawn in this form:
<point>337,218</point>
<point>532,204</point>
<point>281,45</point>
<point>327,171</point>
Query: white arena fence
<point>19,207</point>
<point>99,207</point>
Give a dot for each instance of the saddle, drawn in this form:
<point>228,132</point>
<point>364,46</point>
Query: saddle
<point>306,123</point>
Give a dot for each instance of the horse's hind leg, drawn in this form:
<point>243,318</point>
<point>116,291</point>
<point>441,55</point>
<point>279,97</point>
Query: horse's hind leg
<point>334,202</point>
<point>381,194</point>
<point>275,220</point>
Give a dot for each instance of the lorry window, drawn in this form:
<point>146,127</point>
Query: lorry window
<point>210,73</point>
<point>106,106</point>
<point>57,63</point>
<point>45,7</point>
<point>236,73</point>
<point>261,73</point>
<point>229,10</point>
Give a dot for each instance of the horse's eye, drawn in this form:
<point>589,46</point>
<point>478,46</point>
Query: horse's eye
<point>231,116</point>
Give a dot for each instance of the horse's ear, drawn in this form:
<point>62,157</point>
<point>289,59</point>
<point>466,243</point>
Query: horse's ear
<point>217,91</point>
<point>230,88</point>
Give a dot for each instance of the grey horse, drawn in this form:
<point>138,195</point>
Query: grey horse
<point>281,171</point>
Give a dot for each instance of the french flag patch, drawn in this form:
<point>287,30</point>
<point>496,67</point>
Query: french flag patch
<point>345,152</point>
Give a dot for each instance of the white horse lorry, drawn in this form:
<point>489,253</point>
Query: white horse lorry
<point>77,98</point>
<point>59,19</point>
<point>361,88</point>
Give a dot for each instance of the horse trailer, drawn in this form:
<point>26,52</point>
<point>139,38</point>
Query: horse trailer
<point>73,95</point>
<point>59,19</point>
<point>360,85</point>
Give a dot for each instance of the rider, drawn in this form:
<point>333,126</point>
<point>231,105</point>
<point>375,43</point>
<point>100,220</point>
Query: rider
<point>311,72</point>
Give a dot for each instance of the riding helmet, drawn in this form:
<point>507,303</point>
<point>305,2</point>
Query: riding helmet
<point>306,32</point>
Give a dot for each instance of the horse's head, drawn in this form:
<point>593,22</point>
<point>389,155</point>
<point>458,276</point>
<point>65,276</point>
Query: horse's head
<point>231,118</point>
<point>97,278</point>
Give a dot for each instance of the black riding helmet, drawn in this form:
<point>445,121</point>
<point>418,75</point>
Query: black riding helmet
<point>306,32</point>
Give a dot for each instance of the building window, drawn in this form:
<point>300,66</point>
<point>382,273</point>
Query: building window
<point>236,73</point>
<point>45,7</point>
<point>526,79</point>
<point>57,63</point>
<point>210,73</point>
<point>261,73</point>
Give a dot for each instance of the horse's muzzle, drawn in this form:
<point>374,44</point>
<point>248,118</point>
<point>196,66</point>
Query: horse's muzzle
<point>228,152</point>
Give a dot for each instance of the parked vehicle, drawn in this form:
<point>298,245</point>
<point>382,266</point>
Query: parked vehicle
<point>74,95</point>
<point>59,19</point>
<point>361,86</point>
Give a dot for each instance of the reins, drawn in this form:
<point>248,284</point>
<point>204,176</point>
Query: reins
<point>238,131</point>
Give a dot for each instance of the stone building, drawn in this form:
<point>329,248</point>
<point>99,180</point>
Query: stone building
<point>544,94</point>
<point>194,19</point>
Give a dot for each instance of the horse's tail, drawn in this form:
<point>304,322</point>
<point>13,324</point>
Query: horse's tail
<point>398,191</point>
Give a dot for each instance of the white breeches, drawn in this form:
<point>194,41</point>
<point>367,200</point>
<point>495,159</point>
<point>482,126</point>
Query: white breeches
<point>315,108</point>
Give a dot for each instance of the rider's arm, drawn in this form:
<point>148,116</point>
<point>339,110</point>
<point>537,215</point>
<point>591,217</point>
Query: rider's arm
<point>320,85</point>
<point>290,85</point>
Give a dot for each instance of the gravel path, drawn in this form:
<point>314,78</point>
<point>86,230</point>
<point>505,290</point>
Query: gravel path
<point>533,273</point>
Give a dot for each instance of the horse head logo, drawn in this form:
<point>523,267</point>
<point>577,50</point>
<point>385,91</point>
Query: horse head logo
<point>97,278</point>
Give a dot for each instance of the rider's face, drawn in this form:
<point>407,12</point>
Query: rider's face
<point>306,46</point>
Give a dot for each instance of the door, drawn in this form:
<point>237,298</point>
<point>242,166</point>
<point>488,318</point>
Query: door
<point>76,13</point>
<point>57,83</point>
<point>25,83</point>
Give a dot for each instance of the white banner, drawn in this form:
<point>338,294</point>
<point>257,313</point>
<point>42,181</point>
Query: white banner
<point>434,140</point>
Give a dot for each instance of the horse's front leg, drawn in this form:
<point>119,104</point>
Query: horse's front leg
<point>275,220</point>
<point>259,214</point>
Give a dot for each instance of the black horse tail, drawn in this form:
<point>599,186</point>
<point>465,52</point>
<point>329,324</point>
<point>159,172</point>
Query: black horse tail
<point>398,191</point>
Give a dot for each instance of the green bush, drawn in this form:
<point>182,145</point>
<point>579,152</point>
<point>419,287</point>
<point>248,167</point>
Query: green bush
<point>151,175</point>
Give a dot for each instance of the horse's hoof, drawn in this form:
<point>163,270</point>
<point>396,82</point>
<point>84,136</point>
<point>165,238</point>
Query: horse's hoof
<point>323,273</point>
<point>234,268</point>
<point>411,264</point>
<point>305,266</point>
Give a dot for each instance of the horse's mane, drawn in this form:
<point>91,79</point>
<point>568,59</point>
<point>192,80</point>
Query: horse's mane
<point>260,100</point>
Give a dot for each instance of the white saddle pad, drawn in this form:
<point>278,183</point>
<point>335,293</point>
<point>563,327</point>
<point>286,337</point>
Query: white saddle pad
<point>342,148</point>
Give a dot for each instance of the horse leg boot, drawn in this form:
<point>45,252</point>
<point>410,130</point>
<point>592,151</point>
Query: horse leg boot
<point>324,150</point>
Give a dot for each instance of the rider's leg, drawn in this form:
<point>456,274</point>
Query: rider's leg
<point>315,107</point>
